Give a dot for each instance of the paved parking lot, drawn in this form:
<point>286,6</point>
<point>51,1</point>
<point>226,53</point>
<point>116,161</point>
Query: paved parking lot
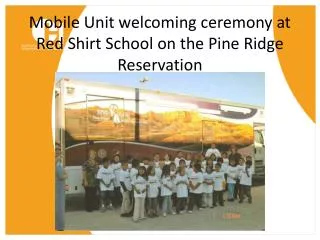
<point>233,216</point>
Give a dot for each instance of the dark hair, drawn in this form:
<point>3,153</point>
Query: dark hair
<point>181,161</point>
<point>105,160</point>
<point>145,172</point>
<point>172,164</point>
<point>146,158</point>
<point>209,159</point>
<point>209,167</point>
<point>135,163</point>
<point>220,160</point>
<point>232,160</point>
<point>191,163</point>
<point>197,166</point>
<point>225,153</point>
<point>218,165</point>
<point>249,163</point>
<point>165,171</point>
<point>149,169</point>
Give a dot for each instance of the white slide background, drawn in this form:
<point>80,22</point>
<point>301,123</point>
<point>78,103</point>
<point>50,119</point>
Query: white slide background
<point>290,134</point>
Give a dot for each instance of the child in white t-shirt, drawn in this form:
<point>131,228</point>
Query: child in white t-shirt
<point>126,186</point>
<point>232,177</point>
<point>140,188</point>
<point>218,185</point>
<point>173,170</point>
<point>188,159</point>
<point>189,170</point>
<point>153,186</point>
<point>208,187</point>
<point>182,183</point>
<point>246,181</point>
<point>106,179</point>
<point>237,186</point>
<point>166,191</point>
<point>195,185</point>
<point>116,165</point>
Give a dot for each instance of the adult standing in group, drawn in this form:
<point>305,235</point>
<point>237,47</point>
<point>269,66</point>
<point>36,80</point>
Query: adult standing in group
<point>89,172</point>
<point>213,150</point>
<point>234,154</point>
<point>61,176</point>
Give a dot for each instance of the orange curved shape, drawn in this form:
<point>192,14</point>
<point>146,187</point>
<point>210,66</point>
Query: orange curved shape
<point>297,58</point>
<point>30,162</point>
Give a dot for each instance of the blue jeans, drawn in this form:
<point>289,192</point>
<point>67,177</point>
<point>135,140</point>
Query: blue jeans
<point>231,190</point>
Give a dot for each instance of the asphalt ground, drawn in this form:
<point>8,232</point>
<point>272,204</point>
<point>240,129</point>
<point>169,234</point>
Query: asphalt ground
<point>233,216</point>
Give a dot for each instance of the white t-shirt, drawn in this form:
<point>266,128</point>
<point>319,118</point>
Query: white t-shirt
<point>232,173</point>
<point>188,163</point>
<point>196,178</point>
<point>182,188</point>
<point>141,184</point>
<point>177,160</point>
<point>125,178</point>
<point>116,168</point>
<point>218,179</point>
<point>164,190</point>
<point>224,167</point>
<point>246,176</point>
<point>203,165</point>
<point>240,170</point>
<point>213,150</point>
<point>158,172</point>
<point>207,177</point>
<point>133,173</point>
<point>106,175</point>
<point>167,162</point>
<point>189,172</point>
<point>173,177</point>
<point>153,187</point>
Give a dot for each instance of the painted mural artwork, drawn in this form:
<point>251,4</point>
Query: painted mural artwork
<point>164,127</point>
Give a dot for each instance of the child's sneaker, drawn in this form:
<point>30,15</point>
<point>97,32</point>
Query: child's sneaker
<point>164,214</point>
<point>182,212</point>
<point>173,213</point>
<point>190,211</point>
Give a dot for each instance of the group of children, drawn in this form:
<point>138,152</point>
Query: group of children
<point>173,186</point>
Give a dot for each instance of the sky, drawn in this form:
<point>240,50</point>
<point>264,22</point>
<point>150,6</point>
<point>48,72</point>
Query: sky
<point>246,88</point>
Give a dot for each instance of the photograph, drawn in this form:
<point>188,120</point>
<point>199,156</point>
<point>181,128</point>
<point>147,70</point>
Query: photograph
<point>159,151</point>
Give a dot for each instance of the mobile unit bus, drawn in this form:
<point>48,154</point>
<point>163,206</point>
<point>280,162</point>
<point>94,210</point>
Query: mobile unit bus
<point>138,122</point>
